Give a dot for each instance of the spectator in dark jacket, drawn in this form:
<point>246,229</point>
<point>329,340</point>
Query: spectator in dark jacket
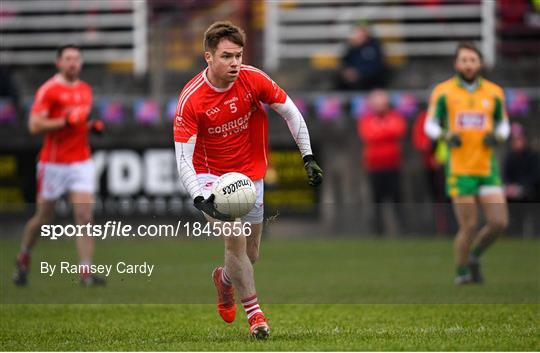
<point>522,183</point>
<point>521,168</point>
<point>363,65</point>
<point>10,95</point>
<point>382,131</point>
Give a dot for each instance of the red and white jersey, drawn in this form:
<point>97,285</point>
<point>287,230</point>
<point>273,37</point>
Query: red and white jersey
<point>231,124</point>
<point>56,98</point>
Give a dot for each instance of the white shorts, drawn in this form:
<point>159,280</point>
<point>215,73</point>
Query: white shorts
<point>490,190</point>
<point>256,215</point>
<point>55,179</point>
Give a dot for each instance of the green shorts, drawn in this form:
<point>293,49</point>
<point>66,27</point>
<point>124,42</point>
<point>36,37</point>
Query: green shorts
<point>465,185</point>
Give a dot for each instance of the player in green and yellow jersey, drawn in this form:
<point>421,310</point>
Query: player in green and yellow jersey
<point>468,112</point>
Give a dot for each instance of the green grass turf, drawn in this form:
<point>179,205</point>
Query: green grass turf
<point>294,327</point>
<point>319,295</point>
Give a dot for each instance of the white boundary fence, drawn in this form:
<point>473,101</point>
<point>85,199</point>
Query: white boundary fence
<point>106,30</point>
<point>314,27</point>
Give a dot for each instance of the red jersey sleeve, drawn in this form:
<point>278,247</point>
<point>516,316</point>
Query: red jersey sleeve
<point>267,90</point>
<point>43,100</point>
<point>185,121</point>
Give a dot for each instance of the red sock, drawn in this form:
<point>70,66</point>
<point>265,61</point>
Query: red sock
<point>251,306</point>
<point>23,259</point>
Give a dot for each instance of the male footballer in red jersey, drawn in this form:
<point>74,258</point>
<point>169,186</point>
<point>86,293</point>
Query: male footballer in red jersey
<point>220,127</point>
<point>60,112</point>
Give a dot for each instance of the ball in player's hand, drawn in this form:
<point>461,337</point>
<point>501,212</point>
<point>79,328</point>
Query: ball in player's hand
<point>235,194</point>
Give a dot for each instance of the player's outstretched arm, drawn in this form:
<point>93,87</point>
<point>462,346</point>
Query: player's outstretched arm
<point>296,123</point>
<point>38,124</point>
<point>298,128</point>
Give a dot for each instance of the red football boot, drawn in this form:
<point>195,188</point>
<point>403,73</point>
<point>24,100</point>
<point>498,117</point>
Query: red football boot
<point>22,265</point>
<point>259,326</point>
<point>226,304</point>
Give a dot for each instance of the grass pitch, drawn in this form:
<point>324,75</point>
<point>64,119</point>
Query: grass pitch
<point>318,294</point>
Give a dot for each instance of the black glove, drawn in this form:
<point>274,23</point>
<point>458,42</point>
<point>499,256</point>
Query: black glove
<point>490,140</point>
<point>453,140</point>
<point>208,207</point>
<point>314,172</point>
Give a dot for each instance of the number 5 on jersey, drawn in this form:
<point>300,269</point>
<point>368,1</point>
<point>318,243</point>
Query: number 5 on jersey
<point>233,107</point>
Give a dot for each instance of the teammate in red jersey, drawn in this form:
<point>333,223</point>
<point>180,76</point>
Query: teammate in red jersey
<point>60,111</point>
<point>221,126</point>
